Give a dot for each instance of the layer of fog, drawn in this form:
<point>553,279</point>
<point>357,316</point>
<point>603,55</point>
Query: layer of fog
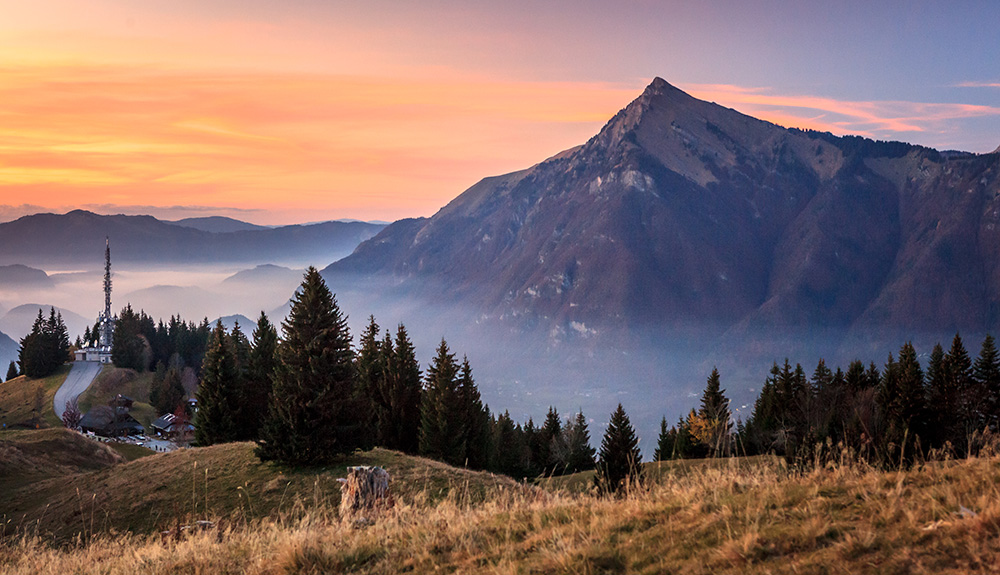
<point>653,375</point>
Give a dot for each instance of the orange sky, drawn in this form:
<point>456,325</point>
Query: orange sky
<point>323,110</point>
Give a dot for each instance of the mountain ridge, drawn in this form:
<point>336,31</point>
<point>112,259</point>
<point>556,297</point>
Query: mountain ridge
<point>78,236</point>
<point>681,212</point>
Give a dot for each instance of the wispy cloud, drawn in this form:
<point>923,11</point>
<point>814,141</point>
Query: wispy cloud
<point>876,119</point>
<point>978,85</point>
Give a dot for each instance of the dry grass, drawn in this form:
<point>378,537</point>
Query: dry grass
<point>734,517</point>
<point>19,397</point>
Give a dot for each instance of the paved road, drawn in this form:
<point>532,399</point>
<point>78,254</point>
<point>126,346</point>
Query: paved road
<point>78,380</point>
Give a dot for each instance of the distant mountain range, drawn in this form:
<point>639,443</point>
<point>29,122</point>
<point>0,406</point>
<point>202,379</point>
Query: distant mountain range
<point>19,276</point>
<point>18,321</point>
<point>682,216</point>
<point>77,238</point>
<point>8,352</point>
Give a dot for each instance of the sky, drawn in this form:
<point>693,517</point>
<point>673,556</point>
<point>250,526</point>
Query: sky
<point>309,110</point>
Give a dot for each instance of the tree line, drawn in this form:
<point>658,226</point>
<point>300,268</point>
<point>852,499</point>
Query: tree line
<point>309,397</point>
<point>44,349</point>
<point>888,416</point>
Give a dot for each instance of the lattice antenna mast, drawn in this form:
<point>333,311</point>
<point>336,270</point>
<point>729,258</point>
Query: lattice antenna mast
<point>107,320</point>
<point>107,277</point>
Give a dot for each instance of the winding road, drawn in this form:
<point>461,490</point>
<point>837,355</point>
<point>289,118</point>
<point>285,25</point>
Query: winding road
<point>79,379</point>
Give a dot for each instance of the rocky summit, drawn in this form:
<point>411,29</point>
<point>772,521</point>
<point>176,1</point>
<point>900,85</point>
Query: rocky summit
<point>682,213</point>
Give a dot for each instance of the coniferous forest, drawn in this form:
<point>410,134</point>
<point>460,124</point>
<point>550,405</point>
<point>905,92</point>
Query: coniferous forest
<point>309,396</point>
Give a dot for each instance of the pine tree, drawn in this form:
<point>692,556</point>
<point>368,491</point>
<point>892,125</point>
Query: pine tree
<point>477,417</point>
<point>944,417</point>
<point>510,447</point>
<point>218,393</point>
<point>986,374</point>
<point>371,368</point>
<point>620,462</point>
<point>167,391</point>
<point>665,441</point>
<point>11,371</point>
<point>912,396</point>
<point>46,347</point>
<point>443,432</point>
<point>715,413</point>
<point>312,416</point>
<point>581,454</point>
<point>958,380</point>
<point>548,435</point>
<point>256,392</point>
<point>399,416</point>
<point>128,345</point>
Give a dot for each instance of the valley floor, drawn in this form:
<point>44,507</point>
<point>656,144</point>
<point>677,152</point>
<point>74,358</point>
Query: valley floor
<point>731,516</point>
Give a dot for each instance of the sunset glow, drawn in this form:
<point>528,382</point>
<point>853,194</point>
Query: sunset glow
<point>324,111</point>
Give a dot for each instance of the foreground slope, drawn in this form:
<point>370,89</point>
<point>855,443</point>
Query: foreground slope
<point>684,215</point>
<point>730,518</point>
<point>61,484</point>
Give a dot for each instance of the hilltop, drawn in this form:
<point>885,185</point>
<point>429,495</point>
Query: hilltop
<point>56,471</point>
<point>727,516</point>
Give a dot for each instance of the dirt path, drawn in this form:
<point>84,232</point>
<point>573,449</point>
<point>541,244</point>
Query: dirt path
<point>78,380</point>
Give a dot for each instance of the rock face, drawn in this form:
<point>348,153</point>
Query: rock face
<point>683,213</point>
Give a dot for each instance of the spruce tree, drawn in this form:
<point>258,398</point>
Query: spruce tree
<point>312,416</point>
<point>912,396</point>
<point>477,417</point>
<point>715,413</point>
<point>256,392</point>
<point>581,454</point>
<point>371,367</point>
<point>399,416</point>
<point>548,435</point>
<point>958,380</point>
<point>665,441</point>
<point>11,371</point>
<point>167,391</point>
<point>218,393</point>
<point>986,374</point>
<point>942,398</point>
<point>128,345</point>
<point>443,424</point>
<point>620,461</point>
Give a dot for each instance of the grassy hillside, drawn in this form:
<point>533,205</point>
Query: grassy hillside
<point>733,516</point>
<point>114,380</point>
<point>224,482</point>
<point>27,402</point>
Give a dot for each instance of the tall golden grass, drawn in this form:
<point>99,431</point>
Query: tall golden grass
<point>732,516</point>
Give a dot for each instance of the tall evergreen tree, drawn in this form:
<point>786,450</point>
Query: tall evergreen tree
<point>399,413</point>
<point>443,424</point>
<point>167,390</point>
<point>548,436</point>
<point>944,417</point>
<point>958,380</point>
<point>218,393</point>
<point>581,454</point>
<point>257,385</point>
<point>912,396</point>
<point>371,366</point>
<point>986,374</point>
<point>11,371</point>
<point>477,417</point>
<point>312,416</point>
<point>46,347</point>
<point>715,413</point>
<point>620,463</point>
<point>665,441</point>
<point>128,345</point>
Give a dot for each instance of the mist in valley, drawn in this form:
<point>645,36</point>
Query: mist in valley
<point>523,370</point>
